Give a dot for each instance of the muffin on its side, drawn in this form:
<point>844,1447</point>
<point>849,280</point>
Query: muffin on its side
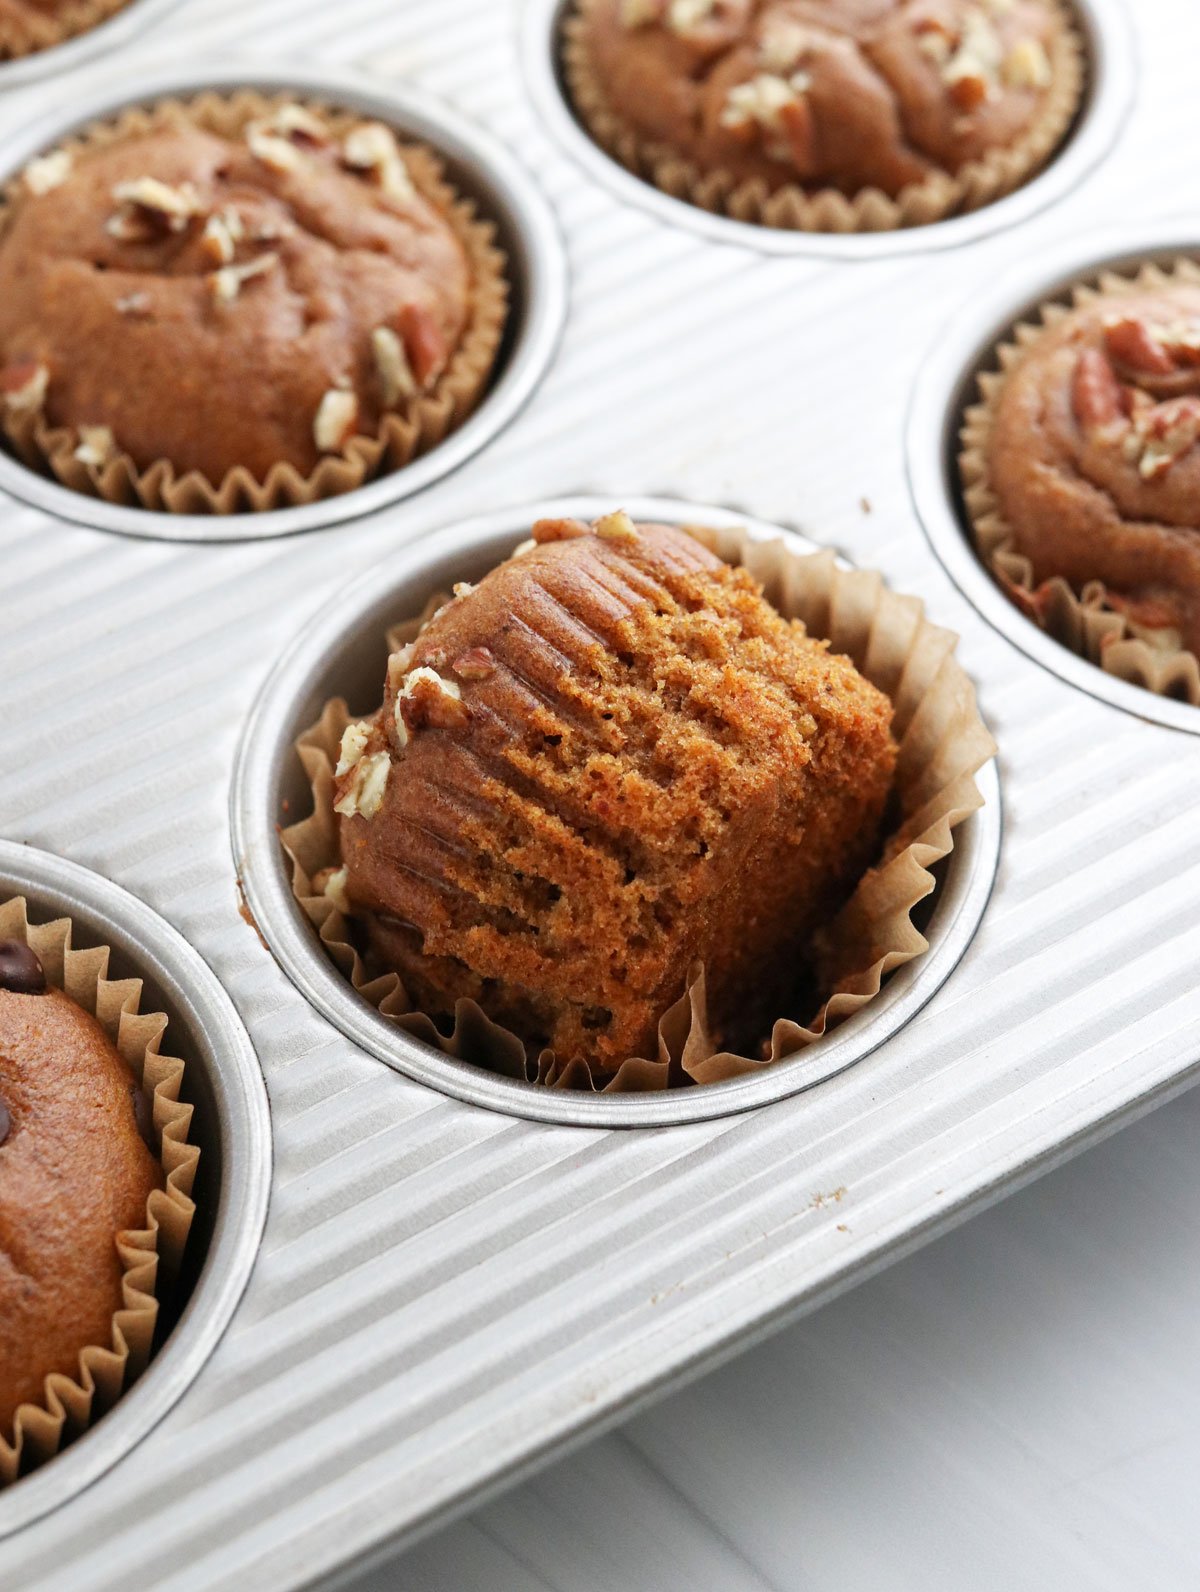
<point>902,110</point>
<point>211,308</point>
<point>610,760</point>
<point>75,1172</point>
<point>27,26</point>
<point>1082,476</point>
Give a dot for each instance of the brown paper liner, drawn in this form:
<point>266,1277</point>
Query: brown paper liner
<point>39,31</point>
<point>1084,622</point>
<point>942,743</point>
<point>403,435</point>
<point>71,1404</point>
<point>793,208</point>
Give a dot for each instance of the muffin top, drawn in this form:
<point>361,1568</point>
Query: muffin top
<point>74,1172</point>
<point>1094,454</point>
<point>848,94</point>
<point>222,301</point>
<point>609,759</point>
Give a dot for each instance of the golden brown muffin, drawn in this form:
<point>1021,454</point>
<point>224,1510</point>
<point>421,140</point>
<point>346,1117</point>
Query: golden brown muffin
<point>1093,456</point>
<point>215,301</point>
<point>609,760</point>
<point>845,94</point>
<point>74,1172</point>
<point>29,25</point>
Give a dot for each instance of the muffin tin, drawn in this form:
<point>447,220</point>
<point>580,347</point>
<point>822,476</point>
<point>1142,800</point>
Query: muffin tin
<point>445,1294</point>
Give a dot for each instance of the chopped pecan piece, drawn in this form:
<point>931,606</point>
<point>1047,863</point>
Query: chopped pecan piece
<point>477,664</point>
<point>372,148</point>
<point>424,344</point>
<point>226,284</point>
<point>1131,343</point>
<point>336,419</point>
<point>23,385</point>
<point>97,445</point>
<point>48,172</point>
<point>149,208</point>
<point>427,700</point>
<point>396,379</point>
<point>1096,395</point>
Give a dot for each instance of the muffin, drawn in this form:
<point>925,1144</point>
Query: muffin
<point>1082,471</point>
<point>30,25</point>
<point>828,115</point>
<point>608,762</point>
<point>95,1186</point>
<point>235,304</point>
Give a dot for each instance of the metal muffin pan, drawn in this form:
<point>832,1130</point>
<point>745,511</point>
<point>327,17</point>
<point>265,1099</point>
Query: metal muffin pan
<point>123,28</point>
<point>480,167</point>
<point>343,654</point>
<point>1112,73</point>
<point>231,1124</point>
<point>947,386</point>
<point>445,1296</point>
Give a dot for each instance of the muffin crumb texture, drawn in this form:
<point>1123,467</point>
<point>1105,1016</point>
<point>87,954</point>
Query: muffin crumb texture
<point>608,761</point>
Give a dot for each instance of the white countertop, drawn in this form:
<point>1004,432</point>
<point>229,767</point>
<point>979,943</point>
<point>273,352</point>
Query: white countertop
<point>1017,1406</point>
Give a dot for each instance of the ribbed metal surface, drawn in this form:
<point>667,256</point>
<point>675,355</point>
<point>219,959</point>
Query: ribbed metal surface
<point>444,1293</point>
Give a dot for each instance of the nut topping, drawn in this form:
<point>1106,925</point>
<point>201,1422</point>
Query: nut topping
<point>136,305</point>
<point>274,151</point>
<point>684,15</point>
<point>424,345</point>
<point>783,44</point>
<point>222,233</point>
<point>972,72</point>
<point>761,102</point>
<point>477,664</point>
<point>298,124</point>
<point>336,419</point>
<point>1166,431</point>
<point>331,883</point>
<point>372,149</point>
<point>150,208</point>
<point>1132,343</point>
<point>1096,395</point>
<point>396,379</point>
<point>426,699</point>
<point>558,531</point>
<point>97,445</point>
<point>226,284</point>
<point>361,776</point>
<point>48,171</point>
<point>1028,65</point>
<point>616,527</point>
<point>24,385</point>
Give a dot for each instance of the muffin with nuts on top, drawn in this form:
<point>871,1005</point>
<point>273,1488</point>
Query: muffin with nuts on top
<point>827,115</point>
<point>1081,469</point>
<point>234,304</point>
<point>27,26</point>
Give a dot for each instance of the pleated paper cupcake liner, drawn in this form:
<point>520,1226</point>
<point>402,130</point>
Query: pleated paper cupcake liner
<point>40,30</point>
<point>403,435</point>
<point>792,207</point>
<point>151,1255</point>
<point>942,744</point>
<point>1083,620</point>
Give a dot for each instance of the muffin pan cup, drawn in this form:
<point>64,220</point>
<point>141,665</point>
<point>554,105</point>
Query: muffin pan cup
<point>342,654</point>
<point>476,164</point>
<point>230,1124</point>
<point>1110,47</point>
<point>947,386</point>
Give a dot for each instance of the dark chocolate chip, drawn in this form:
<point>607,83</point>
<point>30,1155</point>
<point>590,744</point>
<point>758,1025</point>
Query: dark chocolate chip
<point>143,1115</point>
<point>5,1122</point>
<point>20,970</point>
